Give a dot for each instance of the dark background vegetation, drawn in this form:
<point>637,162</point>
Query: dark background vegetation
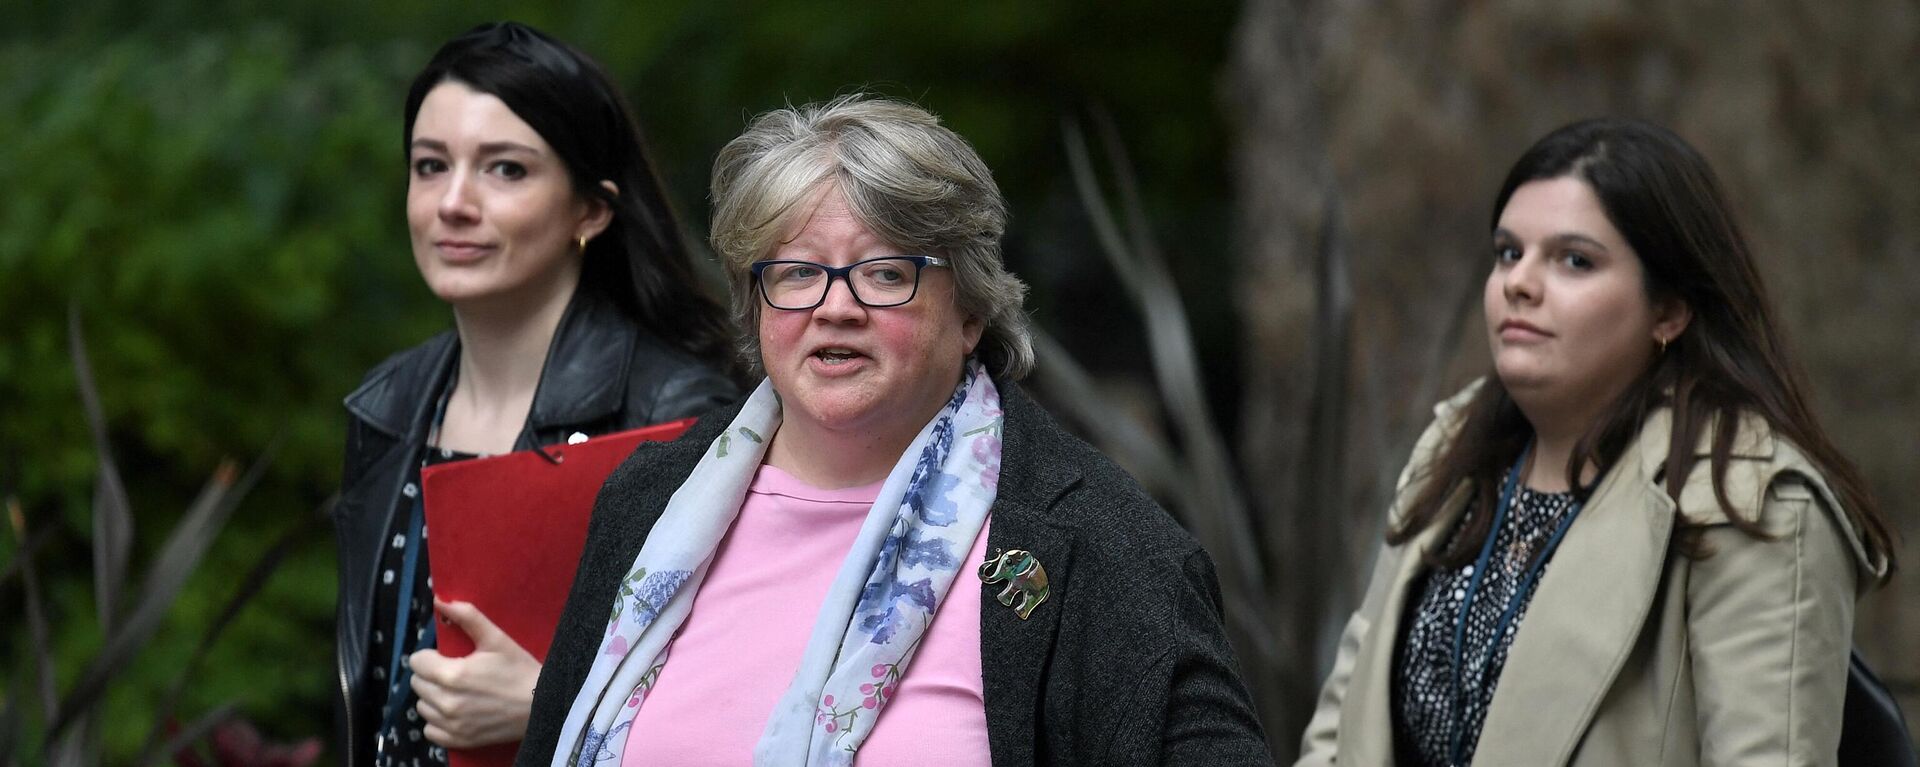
<point>219,189</point>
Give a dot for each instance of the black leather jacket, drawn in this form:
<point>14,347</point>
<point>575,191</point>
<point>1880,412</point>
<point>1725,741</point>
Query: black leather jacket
<point>603,374</point>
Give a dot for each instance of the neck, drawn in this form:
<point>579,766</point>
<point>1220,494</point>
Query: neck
<point>503,346</point>
<point>1554,437</point>
<point>831,459</point>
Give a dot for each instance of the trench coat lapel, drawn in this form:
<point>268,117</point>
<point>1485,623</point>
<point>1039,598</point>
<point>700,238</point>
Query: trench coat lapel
<point>1369,700</point>
<point>1582,622</point>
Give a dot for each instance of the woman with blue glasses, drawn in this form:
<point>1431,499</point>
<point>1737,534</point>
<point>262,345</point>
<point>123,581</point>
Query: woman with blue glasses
<point>888,552</point>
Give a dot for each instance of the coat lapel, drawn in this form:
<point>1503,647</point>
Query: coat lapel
<point>1015,653</point>
<point>1369,701</point>
<point>1582,622</point>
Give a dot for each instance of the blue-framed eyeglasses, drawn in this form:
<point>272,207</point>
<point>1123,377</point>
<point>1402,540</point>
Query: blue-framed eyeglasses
<point>876,282</point>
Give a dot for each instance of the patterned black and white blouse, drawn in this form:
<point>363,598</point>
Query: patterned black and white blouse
<point>404,742</point>
<point>1424,719</point>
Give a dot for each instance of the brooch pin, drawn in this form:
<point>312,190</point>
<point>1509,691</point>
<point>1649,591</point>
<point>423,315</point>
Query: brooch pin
<point>1026,580</point>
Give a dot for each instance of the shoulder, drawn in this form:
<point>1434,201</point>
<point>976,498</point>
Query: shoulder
<point>654,470</point>
<point>667,383</point>
<point>1759,464</point>
<point>1768,482</point>
<point>1448,415</point>
<point>1080,488</point>
<point>391,388</point>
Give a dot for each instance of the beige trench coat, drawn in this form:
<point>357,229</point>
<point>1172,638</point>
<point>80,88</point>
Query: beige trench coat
<point>1631,653</point>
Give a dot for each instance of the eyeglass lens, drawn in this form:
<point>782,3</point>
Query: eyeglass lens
<point>876,282</point>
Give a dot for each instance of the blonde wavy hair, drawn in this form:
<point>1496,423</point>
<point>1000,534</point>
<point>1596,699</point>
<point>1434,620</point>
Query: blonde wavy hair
<point>910,180</point>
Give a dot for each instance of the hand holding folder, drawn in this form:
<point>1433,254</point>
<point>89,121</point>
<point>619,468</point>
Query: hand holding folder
<point>505,533</point>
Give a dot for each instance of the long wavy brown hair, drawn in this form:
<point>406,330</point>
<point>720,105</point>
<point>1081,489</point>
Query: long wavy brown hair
<point>1661,195</point>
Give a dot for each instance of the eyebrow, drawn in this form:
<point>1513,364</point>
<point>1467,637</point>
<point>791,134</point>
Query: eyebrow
<point>487,148</point>
<point>1562,237</point>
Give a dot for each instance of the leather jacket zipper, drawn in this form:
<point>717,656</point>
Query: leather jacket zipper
<point>346,698</point>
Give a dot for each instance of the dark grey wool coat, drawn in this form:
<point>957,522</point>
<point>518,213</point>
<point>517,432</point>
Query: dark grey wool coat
<point>1126,663</point>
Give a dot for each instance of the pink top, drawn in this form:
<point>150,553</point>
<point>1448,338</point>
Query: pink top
<point>742,642</point>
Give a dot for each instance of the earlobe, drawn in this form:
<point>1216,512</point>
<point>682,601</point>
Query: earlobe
<point>1673,321</point>
<point>971,330</point>
<point>599,214</point>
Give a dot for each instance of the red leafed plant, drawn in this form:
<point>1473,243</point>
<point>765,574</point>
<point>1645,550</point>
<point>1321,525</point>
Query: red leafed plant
<point>237,743</point>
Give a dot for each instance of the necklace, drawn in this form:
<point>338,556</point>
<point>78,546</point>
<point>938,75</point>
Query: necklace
<point>1509,497</point>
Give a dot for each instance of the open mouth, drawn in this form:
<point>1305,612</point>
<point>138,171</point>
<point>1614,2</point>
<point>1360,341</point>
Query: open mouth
<point>833,356</point>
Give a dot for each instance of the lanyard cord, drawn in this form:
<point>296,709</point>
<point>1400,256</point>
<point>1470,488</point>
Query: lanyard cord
<point>399,679</point>
<point>1514,602</point>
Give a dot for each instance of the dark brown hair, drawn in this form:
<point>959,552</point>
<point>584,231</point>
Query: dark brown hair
<point>640,261</point>
<point>1663,198</point>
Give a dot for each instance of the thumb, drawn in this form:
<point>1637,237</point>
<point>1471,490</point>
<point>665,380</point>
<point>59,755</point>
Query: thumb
<point>485,635</point>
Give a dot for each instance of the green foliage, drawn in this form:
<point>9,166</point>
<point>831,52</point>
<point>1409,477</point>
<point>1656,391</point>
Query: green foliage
<point>219,209</point>
<point>221,192</point>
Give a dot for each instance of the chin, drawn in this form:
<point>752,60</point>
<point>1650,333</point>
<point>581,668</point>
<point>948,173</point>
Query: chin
<point>1522,378</point>
<point>833,412</point>
<point>458,291</point>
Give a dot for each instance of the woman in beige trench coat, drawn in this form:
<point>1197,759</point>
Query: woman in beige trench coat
<point>1668,572</point>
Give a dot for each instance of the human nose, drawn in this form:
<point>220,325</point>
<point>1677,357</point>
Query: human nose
<point>457,202</point>
<point>1521,283</point>
<point>840,305</point>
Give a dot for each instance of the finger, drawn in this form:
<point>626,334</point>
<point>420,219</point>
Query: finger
<point>431,710</point>
<point>485,635</point>
<point>441,737</point>
<point>430,664</point>
<point>430,691</point>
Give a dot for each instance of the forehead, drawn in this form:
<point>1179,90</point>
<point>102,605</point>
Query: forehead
<point>822,226</point>
<point>1557,206</point>
<point>455,114</point>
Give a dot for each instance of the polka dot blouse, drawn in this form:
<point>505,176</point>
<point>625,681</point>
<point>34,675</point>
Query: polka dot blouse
<point>404,741</point>
<point>1424,714</point>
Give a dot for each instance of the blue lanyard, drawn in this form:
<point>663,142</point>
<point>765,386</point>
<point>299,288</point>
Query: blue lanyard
<point>400,680</point>
<point>1514,602</point>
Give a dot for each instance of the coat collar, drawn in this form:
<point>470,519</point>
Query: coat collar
<point>1590,606</point>
<point>584,378</point>
<point>1583,620</point>
<point>1582,623</point>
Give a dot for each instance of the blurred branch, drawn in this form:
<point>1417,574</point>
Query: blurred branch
<point>10,721</point>
<point>1197,477</point>
<point>250,585</point>
<point>1211,497</point>
<point>192,733</point>
<point>178,557</point>
<point>112,513</point>
<point>36,615</point>
<point>35,541</point>
<point>1150,461</point>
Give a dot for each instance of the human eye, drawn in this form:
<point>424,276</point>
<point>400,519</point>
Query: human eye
<point>427,166</point>
<point>885,274</point>
<point>508,169</point>
<point>1505,253</point>
<point>1577,260</point>
<point>796,273</point>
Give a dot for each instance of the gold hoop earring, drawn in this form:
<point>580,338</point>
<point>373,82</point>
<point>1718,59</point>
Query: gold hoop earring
<point>582,242</point>
<point>1663,346</point>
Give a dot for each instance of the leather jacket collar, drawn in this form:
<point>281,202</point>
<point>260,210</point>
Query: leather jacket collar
<point>583,379</point>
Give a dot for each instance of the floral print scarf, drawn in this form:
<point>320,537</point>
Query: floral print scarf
<point>904,560</point>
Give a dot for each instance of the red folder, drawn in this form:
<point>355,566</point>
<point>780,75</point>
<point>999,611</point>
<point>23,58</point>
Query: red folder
<point>505,533</point>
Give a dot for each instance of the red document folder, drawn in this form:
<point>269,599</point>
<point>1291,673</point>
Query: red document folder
<point>505,533</point>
